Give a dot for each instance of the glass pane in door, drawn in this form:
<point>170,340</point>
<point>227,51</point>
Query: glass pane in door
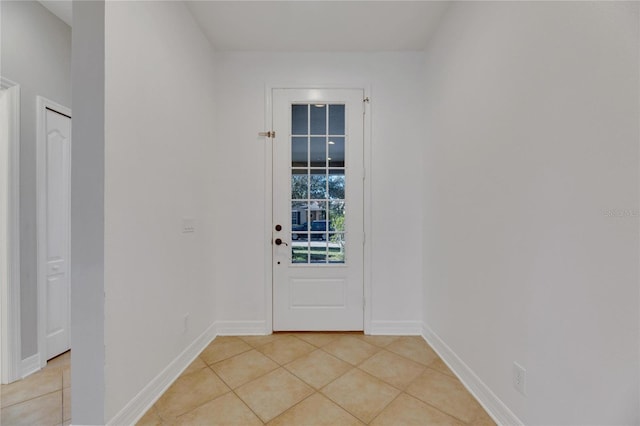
<point>299,151</point>
<point>318,119</point>
<point>318,179</point>
<point>299,119</point>
<point>336,151</point>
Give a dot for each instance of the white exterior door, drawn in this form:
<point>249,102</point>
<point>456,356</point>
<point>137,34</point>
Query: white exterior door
<point>56,206</point>
<point>318,195</point>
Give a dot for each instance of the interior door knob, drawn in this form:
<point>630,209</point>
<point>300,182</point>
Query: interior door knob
<point>279,242</point>
<point>278,227</point>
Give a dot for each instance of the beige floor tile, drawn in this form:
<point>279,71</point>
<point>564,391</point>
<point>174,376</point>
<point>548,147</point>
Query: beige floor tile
<point>318,368</point>
<point>286,349</point>
<point>272,394</point>
<point>66,404</point>
<point>445,393</point>
<point>150,418</point>
<point>360,394</point>
<point>243,368</point>
<point>44,381</point>
<point>381,341</point>
<point>392,368</point>
<point>413,348</point>
<point>66,377</point>
<point>439,365</point>
<point>318,339</point>
<point>227,410</point>
<point>408,411</point>
<point>62,360</point>
<point>317,410</point>
<point>200,397</point>
<point>226,339</point>
<point>257,341</point>
<point>190,391</point>
<point>43,410</point>
<point>351,349</point>
<point>219,350</point>
<point>482,419</point>
<point>197,365</point>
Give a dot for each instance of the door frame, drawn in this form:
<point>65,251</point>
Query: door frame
<point>11,340</point>
<point>41,223</point>
<point>268,197</point>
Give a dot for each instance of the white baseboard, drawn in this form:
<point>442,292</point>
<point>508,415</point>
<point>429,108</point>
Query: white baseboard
<point>138,406</point>
<point>30,365</point>
<point>500,413</point>
<point>241,328</point>
<point>396,328</point>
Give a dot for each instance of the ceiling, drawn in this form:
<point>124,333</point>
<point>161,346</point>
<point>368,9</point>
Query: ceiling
<point>317,25</point>
<point>308,26</point>
<point>61,8</point>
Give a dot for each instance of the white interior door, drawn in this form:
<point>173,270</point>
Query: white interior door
<point>318,195</point>
<point>56,234</point>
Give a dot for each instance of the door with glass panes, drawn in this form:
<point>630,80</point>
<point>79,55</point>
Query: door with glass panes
<point>318,193</point>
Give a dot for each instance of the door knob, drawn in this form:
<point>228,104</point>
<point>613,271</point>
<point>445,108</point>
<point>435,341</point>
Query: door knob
<point>278,242</point>
<point>278,227</point>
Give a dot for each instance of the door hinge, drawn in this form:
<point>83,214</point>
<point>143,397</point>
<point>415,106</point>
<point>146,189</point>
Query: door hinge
<point>269,134</point>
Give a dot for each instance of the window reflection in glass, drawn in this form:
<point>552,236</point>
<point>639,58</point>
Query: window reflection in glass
<point>318,182</point>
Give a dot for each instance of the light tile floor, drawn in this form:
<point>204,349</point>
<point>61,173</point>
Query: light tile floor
<point>317,379</point>
<point>43,398</point>
<point>281,379</point>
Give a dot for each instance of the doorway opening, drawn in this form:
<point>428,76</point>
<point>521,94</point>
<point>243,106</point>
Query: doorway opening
<point>54,222</point>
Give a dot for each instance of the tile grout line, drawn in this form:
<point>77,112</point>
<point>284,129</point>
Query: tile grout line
<point>319,390</point>
<point>352,367</point>
<point>31,399</point>
<point>436,408</point>
<point>163,419</point>
<point>255,378</point>
<point>380,380</point>
<point>247,405</point>
<point>430,404</point>
<point>385,407</point>
<point>232,390</point>
<point>283,366</point>
<point>294,405</point>
<point>198,406</point>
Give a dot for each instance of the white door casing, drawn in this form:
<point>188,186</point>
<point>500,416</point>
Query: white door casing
<point>10,221</point>
<point>54,189</point>
<point>318,199</point>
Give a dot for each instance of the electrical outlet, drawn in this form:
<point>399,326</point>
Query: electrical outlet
<point>186,324</point>
<point>519,378</point>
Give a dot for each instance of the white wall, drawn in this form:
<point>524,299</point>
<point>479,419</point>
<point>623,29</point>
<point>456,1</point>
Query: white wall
<point>36,53</point>
<point>532,138</point>
<point>87,215</point>
<point>239,254</point>
<point>159,136</point>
